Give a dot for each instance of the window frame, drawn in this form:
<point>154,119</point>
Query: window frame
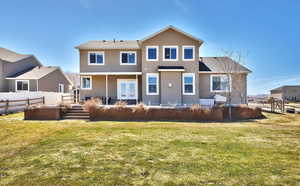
<point>219,75</point>
<point>183,84</point>
<point>128,52</point>
<point>96,52</point>
<point>81,82</point>
<point>63,88</point>
<point>188,46</point>
<point>157,83</point>
<point>157,53</point>
<point>170,46</point>
<point>16,85</point>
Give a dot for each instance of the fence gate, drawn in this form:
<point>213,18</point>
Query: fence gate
<point>276,105</point>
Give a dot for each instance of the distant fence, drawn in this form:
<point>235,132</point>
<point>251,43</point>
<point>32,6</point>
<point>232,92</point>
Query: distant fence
<point>9,106</point>
<point>18,101</point>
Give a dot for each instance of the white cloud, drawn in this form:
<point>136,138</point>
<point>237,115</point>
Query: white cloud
<point>181,5</point>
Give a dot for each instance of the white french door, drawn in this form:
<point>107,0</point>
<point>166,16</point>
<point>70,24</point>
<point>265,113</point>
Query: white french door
<point>127,89</point>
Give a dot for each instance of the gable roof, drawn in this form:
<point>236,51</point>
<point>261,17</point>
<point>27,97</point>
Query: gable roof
<point>175,29</point>
<point>37,73</point>
<point>11,56</point>
<point>216,65</point>
<point>110,44</point>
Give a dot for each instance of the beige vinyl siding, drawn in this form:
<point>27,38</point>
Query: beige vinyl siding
<point>50,82</point>
<point>173,38</point>
<point>238,92</point>
<point>99,86</point>
<point>112,62</point>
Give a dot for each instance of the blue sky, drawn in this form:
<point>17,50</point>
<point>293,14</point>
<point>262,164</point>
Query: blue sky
<point>267,30</point>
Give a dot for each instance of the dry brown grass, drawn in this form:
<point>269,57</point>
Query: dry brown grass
<point>120,104</point>
<point>92,104</point>
<point>139,107</point>
<point>195,108</point>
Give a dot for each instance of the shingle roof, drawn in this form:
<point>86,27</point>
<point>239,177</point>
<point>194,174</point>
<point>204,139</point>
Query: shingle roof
<point>35,73</point>
<point>220,65</point>
<point>110,44</point>
<point>11,56</point>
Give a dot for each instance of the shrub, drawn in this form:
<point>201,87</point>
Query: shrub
<point>120,104</point>
<point>195,108</point>
<point>139,107</point>
<point>91,104</point>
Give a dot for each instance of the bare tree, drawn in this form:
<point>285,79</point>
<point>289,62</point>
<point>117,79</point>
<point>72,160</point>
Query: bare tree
<point>74,77</point>
<point>230,65</point>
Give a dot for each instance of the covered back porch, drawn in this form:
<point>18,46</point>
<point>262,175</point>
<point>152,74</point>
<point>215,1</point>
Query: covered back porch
<point>111,87</point>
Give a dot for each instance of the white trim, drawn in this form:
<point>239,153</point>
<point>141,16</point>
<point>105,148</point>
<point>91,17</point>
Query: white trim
<point>96,52</point>
<point>171,70</point>
<point>219,75</point>
<point>188,46</point>
<point>16,87</point>
<point>157,53</point>
<point>170,46</point>
<point>111,73</point>
<point>91,82</point>
<point>128,52</point>
<point>188,75</point>
<point>59,87</point>
<point>127,81</point>
<point>157,83</point>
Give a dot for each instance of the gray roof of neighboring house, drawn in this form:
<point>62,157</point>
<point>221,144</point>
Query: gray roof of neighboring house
<point>11,56</point>
<point>286,86</point>
<point>110,44</point>
<point>34,73</point>
<point>221,65</point>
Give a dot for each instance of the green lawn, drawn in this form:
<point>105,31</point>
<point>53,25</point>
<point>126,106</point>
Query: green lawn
<point>257,152</point>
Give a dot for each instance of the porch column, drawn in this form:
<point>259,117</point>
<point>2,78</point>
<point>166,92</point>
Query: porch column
<point>137,89</point>
<point>106,90</point>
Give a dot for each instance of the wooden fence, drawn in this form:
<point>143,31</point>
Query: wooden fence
<point>7,104</point>
<point>72,98</point>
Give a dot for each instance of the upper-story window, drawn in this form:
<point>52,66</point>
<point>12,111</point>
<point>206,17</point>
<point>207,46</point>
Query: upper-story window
<point>96,58</point>
<point>188,53</point>
<point>170,53</point>
<point>128,58</point>
<point>152,53</point>
<point>220,83</point>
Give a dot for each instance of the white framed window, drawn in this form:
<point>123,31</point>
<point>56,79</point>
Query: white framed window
<point>220,83</point>
<point>188,53</point>
<point>152,83</point>
<point>128,58</point>
<point>152,53</point>
<point>188,83</point>
<point>61,88</point>
<point>96,58</point>
<point>86,82</point>
<point>170,53</point>
<point>22,85</point>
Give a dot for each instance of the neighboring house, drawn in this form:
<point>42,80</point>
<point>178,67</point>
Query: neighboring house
<point>25,73</point>
<point>164,68</point>
<point>291,93</point>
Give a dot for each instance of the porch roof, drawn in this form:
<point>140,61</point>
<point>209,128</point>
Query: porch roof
<point>110,73</point>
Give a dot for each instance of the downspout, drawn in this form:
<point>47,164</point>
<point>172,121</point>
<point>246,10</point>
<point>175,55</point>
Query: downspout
<point>37,85</point>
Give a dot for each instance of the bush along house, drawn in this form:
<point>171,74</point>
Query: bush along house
<point>164,68</point>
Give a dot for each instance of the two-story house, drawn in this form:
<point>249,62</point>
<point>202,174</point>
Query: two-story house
<point>164,68</point>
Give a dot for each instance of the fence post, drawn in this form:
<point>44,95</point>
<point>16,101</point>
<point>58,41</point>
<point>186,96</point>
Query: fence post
<point>62,98</point>
<point>6,106</point>
<point>28,102</point>
<point>43,99</point>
